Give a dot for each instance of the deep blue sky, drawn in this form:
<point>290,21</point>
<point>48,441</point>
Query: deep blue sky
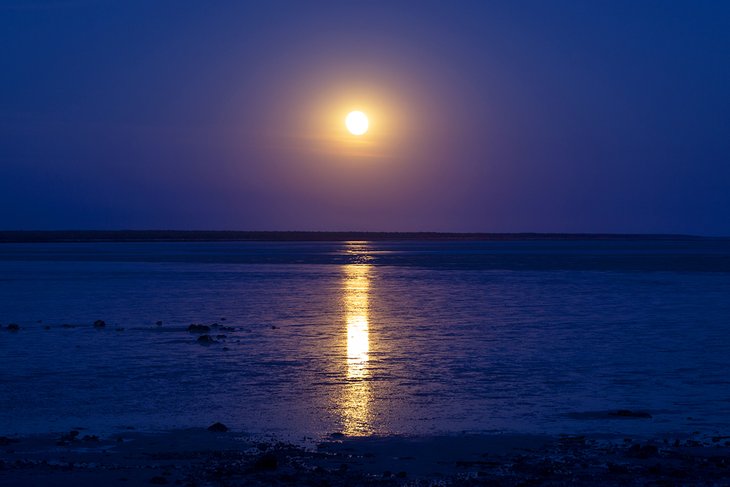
<point>486,116</point>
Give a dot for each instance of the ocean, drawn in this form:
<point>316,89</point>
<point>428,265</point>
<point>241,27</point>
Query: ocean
<point>306,339</point>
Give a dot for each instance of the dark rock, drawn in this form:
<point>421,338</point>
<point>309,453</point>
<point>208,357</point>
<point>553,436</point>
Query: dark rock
<point>158,323</point>
<point>627,413</point>
<point>4,440</point>
<point>67,325</point>
<point>220,337</point>
<point>680,474</point>
<point>198,328</point>
<point>70,436</point>
<point>617,469</point>
<point>46,327</point>
<point>615,414</point>
<point>218,427</point>
<point>205,340</point>
<point>570,440</point>
<point>159,480</point>
<point>99,324</point>
<point>13,327</point>
<point>464,463</point>
<point>91,438</point>
<point>642,451</point>
<point>267,461</point>
<point>654,469</point>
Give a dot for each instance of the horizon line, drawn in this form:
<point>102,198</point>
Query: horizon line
<point>127,235</point>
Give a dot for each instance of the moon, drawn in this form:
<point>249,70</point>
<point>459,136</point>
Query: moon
<point>356,122</point>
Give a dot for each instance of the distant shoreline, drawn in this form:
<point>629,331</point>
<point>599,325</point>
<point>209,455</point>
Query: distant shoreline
<point>60,236</point>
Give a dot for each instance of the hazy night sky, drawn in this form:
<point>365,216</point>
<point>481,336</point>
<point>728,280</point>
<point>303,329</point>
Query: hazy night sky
<point>485,116</point>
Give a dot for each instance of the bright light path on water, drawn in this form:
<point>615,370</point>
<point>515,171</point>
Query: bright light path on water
<point>356,404</point>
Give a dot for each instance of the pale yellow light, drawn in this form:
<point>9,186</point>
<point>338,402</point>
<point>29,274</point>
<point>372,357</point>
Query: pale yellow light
<point>356,405</point>
<point>356,309</point>
<point>358,346</point>
<point>357,122</point>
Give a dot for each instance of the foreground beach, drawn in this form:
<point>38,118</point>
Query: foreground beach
<point>197,457</point>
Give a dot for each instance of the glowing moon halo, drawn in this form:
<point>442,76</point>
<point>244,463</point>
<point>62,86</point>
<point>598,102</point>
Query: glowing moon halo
<point>356,122</point>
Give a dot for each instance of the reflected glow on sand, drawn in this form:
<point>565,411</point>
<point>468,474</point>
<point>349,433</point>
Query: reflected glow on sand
<point>356,400</point>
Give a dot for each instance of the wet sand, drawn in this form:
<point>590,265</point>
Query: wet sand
<point>198,457</point>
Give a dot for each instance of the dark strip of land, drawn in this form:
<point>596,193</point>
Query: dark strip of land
<point>226,459</point>
<point>296,236</point>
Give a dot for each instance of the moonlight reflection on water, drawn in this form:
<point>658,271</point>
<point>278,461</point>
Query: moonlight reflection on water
<point>366,338</point>
<point>356,403</point>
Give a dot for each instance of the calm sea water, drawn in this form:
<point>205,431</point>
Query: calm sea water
<point>367,338</point>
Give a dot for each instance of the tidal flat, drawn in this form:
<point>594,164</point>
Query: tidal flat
<point>365,363</point>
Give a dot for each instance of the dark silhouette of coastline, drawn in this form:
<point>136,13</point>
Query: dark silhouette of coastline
<point>26,236</point>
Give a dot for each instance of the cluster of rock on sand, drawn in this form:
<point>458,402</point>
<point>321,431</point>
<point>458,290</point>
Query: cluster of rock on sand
<point>206,334</point>
<point>217,456</point>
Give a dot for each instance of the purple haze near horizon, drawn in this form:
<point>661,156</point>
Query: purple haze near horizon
<point>555,117</point>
